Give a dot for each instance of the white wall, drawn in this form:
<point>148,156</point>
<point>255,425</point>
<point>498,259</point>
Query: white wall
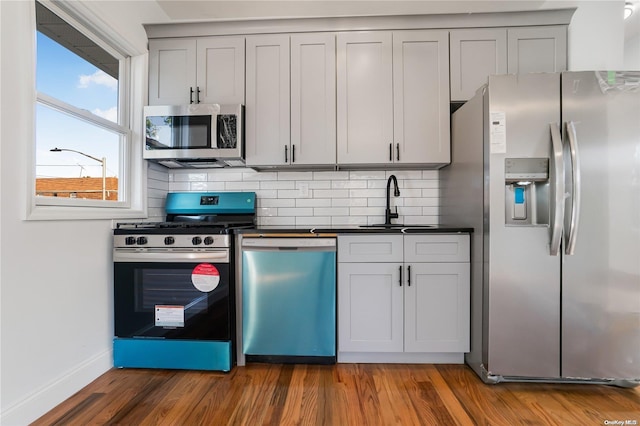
<point>55,277</point>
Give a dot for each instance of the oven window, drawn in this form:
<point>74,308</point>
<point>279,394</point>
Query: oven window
<point>178,132</point>
<point>168,287</point>
<point>161,300</point>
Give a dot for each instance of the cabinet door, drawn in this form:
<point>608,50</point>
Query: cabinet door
<point>441,248</point>
<point>475,55</point>
<point>537,49</point>
<point>267,109</point>
<point>436,303</point>
<point>313,99</point>
<point>172,71</point>
<point>421,97</point>
<point>370,302</point>
<point>220,70</point>
<point>364,97</point>
<point>370,248</point>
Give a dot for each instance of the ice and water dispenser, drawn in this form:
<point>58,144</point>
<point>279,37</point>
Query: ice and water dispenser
<point>526,191</point>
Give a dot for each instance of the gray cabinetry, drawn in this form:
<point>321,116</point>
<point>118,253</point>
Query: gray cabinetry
<point>477,53</point>
<point>290,111</point>
<point>403,298</point>
<point>392,98</point>
<point>196,70</point>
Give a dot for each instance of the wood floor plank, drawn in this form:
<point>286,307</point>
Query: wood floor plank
<point>343,394</point>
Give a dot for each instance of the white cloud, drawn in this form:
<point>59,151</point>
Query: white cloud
<point>100,78</point>
<point>110,114</point>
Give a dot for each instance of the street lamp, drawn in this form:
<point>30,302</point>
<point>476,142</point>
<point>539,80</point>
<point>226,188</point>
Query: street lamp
<point>103,162</point>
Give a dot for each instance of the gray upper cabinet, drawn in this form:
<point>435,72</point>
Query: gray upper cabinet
<point>291,101</point>
<point>196,70</point>
<point>267,113</point>
<point>392,98</point>
<point>537,49</point>
<point>475,54</point>
<point>172,71</point>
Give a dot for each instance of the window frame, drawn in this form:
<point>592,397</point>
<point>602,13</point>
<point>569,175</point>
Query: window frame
<point>131,95</point>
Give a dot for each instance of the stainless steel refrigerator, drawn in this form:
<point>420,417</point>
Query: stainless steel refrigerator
<point>546,169</point>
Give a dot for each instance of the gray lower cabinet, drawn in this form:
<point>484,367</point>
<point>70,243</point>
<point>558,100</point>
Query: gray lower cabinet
<point>403,298</point>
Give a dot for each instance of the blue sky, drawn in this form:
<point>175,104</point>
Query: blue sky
<point>65,76</point>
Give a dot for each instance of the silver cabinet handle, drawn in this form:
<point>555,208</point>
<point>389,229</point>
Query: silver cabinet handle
<point>575,193</point>
<point>557,194</point>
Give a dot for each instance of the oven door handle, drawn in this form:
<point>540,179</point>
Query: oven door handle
<point>221,256</point>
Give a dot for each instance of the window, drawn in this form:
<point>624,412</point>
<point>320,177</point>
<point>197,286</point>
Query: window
<point>83,140</point>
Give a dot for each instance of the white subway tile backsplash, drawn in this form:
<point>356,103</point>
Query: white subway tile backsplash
<point>187,176</point>
<point>348,220</point>
<point>277,185</point>
<point>330,175</point>
<point>339,184</point>
<point>363,174</point>
<point>242,186</point>
<point>276,221</point>
<point>314,198</point>
<point>313,202</point>
<point>365,211</point>
<point>331,211</point>
<point>331,193</point>
<point>178,186</point>
<point>259,176</point>
<point>366,193</point>
<point>430,192</point>
<point>286,193</point>
<point>266,193</point>
<point>405,174</point>
<point>295,211</point>
<point>319,184</point>
<point>313,221</point>
<point>348,202</point>
<point>267,211</point>
<point>295,176</point>
<point>275,202</point>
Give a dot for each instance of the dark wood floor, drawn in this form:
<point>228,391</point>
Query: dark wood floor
<point>344,394</point>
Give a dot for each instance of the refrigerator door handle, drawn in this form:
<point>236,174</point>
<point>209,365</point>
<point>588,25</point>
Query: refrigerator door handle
<point>575,178</point>
<point>557,195</point>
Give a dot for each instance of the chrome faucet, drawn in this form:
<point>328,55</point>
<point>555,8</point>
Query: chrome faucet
<point>396,192</point>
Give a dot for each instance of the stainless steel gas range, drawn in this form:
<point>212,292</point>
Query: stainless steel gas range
<point>174,283</point>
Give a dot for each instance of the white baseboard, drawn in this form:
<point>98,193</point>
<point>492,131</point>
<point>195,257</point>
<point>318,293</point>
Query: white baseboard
<point>401,357</point>
<point>42,400</point>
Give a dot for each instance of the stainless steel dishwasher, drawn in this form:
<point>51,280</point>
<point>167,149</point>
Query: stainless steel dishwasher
<point>289,299</point>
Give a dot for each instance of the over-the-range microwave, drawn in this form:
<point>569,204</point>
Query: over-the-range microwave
<point>197,135</point>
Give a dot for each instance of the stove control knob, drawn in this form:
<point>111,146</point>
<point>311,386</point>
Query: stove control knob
<point>141,241</point>
<point>196,241</point>
<point>208,240</point>
<point>130,241</point>
<point>169,240</point>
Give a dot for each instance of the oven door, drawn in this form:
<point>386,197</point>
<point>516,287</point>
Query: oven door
<point>173,295</point>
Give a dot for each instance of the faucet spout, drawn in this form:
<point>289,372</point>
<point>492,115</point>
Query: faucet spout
<point>388,215</point>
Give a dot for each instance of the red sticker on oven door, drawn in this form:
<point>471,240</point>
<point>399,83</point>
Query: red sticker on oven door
<point>205,277</point>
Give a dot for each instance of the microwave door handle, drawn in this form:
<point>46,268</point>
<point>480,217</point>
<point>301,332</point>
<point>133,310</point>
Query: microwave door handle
<point>557,198</point>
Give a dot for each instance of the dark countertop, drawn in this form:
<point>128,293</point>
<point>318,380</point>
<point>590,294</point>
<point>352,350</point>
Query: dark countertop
<point>352,229</point>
